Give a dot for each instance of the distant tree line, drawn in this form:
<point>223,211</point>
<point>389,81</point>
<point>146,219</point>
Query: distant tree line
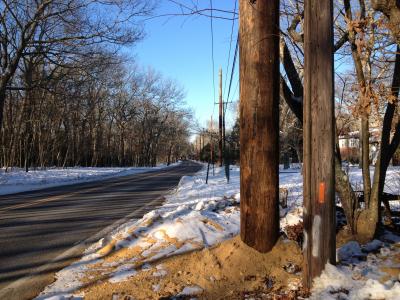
<point>100,116</point>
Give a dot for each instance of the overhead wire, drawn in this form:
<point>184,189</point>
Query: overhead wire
<point>232,71</point>
<point>230,47</point>
<point>236,89</point>
<point>212,53</point>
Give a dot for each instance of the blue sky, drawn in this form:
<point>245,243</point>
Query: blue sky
<point>180,48</point>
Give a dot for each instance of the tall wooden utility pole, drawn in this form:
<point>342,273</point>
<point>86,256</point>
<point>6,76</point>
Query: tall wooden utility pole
<point>318,111</point>
<point>221,111</point>
<point>223,130</point>
<point>259,123</point>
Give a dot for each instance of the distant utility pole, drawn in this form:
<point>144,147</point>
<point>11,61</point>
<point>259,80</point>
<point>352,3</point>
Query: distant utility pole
<point>197,148</point>
<point>221,112</point>
<point>318,130</point>
<point>212,144</point>
<point>259,119</point>
<point>211,141</point>
<point>201,143</point>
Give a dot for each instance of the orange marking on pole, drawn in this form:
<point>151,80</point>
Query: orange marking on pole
<point>321,198</point>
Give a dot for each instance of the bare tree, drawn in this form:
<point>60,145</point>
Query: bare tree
<point>54,28</point>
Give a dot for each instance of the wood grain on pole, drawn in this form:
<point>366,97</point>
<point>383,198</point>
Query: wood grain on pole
<point>259,123</point>
<point>318,168</point>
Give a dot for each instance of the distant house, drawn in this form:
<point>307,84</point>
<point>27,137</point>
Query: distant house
<point>349,145</point>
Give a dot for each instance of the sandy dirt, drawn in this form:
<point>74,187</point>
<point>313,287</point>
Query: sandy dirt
<point>230,270</point>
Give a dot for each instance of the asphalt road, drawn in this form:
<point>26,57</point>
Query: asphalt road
<point>43,231</point>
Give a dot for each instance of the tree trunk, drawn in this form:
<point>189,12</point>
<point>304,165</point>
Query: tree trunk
<point>365,159</point>
<point>2,101</point>
<point>347,196</point>
<point>169,155</point>
<point>391,9</point>
<point>366,221</point>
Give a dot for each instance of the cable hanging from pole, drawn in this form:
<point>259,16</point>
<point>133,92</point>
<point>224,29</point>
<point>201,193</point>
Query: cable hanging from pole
<point>233,70</point>
<point>230,47</point>
<point>212,49</point>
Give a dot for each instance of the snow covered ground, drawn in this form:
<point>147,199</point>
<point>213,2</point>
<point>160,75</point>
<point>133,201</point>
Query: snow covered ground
<point>17,180</point>
<point>370,271</point>
<point>198,215</point>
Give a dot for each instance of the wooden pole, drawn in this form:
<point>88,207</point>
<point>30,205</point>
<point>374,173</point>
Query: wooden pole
<point>208,171</point>
<point>212,145</point>
<point>202,138</point>
<point>318,111</point>
<point>211,142</point>
<point>197,148</point>
<point>259,123</point>
<point>201,144</point>
<point>220,118</point>
<point>223,130</point>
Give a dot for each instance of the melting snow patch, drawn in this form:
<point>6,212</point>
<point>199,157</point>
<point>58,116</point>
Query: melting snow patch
<point>62,297</point>
<point>69,279</point>
<point>146,267</point>
<point>122,273</point>
<point>191,290</point>
<point>373,289</point>
<point>156,287</point>
<point>160,271</point>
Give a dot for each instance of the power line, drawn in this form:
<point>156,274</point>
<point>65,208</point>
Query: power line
<point>236,89</point>
<point>233,68</point>
<point>230,47</point>
<point>212,49</point>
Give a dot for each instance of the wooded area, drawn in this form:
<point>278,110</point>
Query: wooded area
<point>67,98</point>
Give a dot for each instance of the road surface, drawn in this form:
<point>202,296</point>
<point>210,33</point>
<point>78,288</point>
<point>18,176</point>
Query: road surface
<point>45,230</point>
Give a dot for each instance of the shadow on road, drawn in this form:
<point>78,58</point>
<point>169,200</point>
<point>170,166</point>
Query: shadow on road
<point>34,235</point>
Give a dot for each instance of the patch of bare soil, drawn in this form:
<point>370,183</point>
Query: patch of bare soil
<point>230,270</point>
<point>344,236</point>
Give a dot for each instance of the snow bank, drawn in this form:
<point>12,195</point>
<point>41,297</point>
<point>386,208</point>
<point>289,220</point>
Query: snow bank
<point>17,180</point>
<point>392,183</point>
<point>199,215</point>
<point>195,216</point>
